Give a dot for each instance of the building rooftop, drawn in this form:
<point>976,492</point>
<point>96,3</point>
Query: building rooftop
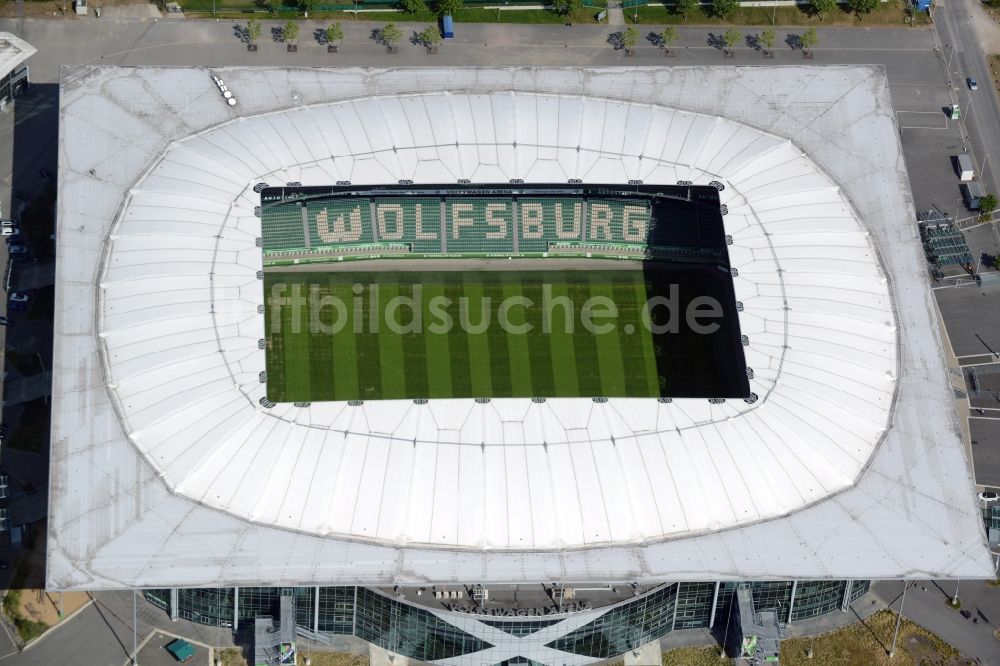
<point>168,471</point>
<point>13,51</point>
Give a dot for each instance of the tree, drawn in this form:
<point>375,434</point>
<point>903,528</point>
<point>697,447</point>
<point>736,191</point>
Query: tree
<point>862,7</point>
<point>685,7</point>
<point>725,8</point>
<point>273,5</point>
<point>390,34</point>
<point>809,39</point>
<point>567,7</point>
<point>732,37</point>
<point>767,39</point>
<point>630,38</point>
<point>333,33</point>
<point>290,32</point>
<point>450,7</point>
<point>987,204</point>
<point>253,30</point>
<point>307,5</point>
<point>822,7</point>
<point>668,36</point>
<point>429,36</point>
<point>413,6</point>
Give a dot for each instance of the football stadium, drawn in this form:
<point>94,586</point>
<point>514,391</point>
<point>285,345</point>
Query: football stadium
<point>672,239</point>
<point>497,365</point>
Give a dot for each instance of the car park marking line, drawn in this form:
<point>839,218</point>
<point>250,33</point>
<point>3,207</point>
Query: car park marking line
<point>920,120</point>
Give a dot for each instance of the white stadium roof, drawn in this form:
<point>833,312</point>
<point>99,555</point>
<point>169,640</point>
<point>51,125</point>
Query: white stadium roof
<point>168,471</point>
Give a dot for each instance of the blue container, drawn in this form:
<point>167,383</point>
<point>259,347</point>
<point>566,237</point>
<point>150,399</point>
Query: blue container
<point>448,31</point>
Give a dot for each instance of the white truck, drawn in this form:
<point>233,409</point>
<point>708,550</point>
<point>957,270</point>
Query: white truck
<point>963,164</point>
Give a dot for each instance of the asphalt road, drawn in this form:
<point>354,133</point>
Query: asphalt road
<point>981,110</point>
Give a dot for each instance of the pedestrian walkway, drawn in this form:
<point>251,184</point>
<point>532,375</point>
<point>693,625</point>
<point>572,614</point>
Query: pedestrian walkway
<point>615,14</point>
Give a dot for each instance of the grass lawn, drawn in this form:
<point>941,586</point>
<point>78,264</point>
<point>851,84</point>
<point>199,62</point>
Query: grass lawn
<point>332,658</point>
<point>467,15</point>
<point>866,642</point>
<point>23,578</point>
<point>994,64</point>
<point>576,333</point>
<point>475,15</point>
<point>455,346</point>
<point>888,13</point>
<point>693,656</point>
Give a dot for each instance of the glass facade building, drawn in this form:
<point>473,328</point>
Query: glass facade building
<point>12,84</point>
<point>432,634</point>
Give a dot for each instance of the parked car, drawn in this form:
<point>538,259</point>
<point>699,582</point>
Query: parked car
<point>17,307</point>
<point>9,230</point>
<point>18,297</point>
<point>14,248</point>
<point>972,83</point>
<point>6,322</point>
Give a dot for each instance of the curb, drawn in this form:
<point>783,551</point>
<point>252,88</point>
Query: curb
<point>33,643</point>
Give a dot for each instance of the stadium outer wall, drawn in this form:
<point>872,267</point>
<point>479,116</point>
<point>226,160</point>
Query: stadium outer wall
<point>437,635</point>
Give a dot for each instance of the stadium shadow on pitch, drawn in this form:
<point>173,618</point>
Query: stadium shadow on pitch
<point>695,331</point>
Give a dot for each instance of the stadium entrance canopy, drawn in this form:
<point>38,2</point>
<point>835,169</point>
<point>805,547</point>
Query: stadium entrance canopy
<point>170,467</point>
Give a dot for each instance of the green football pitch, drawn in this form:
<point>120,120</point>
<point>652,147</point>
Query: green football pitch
<point>335,336</point>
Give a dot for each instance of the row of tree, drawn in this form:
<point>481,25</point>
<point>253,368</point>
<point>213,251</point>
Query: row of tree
<point>732,37</point>
<point>430,36</point>
<point>334,33</point>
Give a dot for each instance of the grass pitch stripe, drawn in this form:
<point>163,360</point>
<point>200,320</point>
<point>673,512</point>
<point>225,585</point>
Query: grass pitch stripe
<point>436,348</point>
<point>479,344</point>
<point>344,351</point>
<point>390,344</point>
<point>496,337</point>
<point>458,343</point>
<point>368,357</point>
<point>637,348</point>
<point>518,353</point>
<point>414,349</point>
<point>562,345</point>
<point>322,373</point>
<point>608,344</point>
<point>275,340</point>
<point>296,355</point>
<point>537,343</point>
<point>584,342</point>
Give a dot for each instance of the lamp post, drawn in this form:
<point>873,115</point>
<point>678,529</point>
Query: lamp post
<point>899,616</point>
<point>954,599</point>
<point>135,633</point>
